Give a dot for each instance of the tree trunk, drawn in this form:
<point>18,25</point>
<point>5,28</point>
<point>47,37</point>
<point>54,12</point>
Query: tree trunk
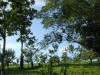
<point>32,64</point>
<point>51,63</point>
<point>91,61</point>
<point>98,60</point>
<point>3,55</point>
<point>7,64</point>
<point>22,57</point>
<point>39,64</point>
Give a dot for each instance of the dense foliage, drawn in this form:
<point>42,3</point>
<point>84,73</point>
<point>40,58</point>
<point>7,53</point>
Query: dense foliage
<point>76,20</point>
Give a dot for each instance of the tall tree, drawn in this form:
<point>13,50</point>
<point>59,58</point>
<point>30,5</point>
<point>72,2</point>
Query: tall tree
<point>29,52</point>
<point>23,13</point>
<point>0,56</point>
<point>5,28</point>
<point>77,20</point>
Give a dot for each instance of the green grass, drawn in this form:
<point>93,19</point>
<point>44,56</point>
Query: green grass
<point>83,71</point>
<point>16,71</point>
<point>71,69</point>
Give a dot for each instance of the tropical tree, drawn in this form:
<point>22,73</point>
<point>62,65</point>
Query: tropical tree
<point>84,54</point>
<point>5,28</point>
<point>29,52</point>
<point>54,59</point>
<point>64,57</point>
<point>43,58</point>
<point>0,56</point>
<point>71,48</point>
<point>9,56</point>
<point>81,52</point>
<point>37,59</point>
<point>90,55</point>
<point>17,61</point>
<point>73,51</point>
<point>77,21</point>
<point>23,13</point>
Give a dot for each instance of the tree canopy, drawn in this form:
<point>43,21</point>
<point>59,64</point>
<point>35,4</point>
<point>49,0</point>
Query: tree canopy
<point>77,20</point>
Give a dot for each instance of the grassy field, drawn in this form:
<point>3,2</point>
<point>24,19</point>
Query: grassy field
<point>68,69</point>
<point>83,71</point>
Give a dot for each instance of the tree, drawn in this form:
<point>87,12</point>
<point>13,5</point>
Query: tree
<point>90,55</point>
<point>17,61</point>
<point>37,59</point>
<point>64,57</point>
<point>0,56</point>
<point>81,52</point>
<point>54,59</point>
<point>9,56</point>
<point>84,54</point>
<point>71,48</point>
<point>43,58</point>
<point>5,28</point>
<point>22,9</point>
<point>73,51</point>
<point>29,53</point>
<point>77,20</point>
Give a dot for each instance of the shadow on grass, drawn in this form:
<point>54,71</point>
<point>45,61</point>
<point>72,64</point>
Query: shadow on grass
<point>21,72</point>
<point>26,71</point>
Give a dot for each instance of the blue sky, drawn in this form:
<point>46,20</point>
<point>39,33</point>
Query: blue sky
<point>36,28</point>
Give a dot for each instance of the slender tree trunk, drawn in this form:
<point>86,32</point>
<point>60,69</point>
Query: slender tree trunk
<point>39,64</point>
<point>50,67</point>
<point>3,55</point>
<point>22,57</point>
<point>98,60</point>
<point>91,61</point>
<point>32,64</point>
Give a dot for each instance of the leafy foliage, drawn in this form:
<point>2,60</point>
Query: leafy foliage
<point>43,58</point>
<point>51,39</point>
<point>22,15</point>
<point>9,56</point>
<point>29,53</point>
<point>54,59</point>
<point>86,55</point>
<point>78,20</point>
<point>64,57</point>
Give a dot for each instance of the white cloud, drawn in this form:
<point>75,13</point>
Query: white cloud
<point>39,3</point>
<point>64,49</point>
<point>11,45</point>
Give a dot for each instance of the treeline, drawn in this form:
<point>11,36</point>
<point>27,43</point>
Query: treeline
<point>34,56</point>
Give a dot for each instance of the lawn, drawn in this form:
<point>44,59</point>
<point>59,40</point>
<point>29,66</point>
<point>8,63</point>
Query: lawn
<point>72,69</point>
